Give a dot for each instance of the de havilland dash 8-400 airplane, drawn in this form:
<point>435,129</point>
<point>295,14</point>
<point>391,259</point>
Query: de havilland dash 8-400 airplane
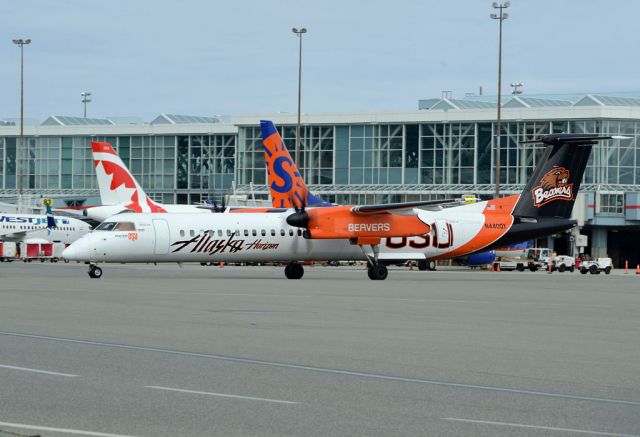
<point>308,233</point>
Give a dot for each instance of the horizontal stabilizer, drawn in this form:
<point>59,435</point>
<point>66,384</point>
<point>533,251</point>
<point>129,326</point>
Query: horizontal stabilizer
<point>575,139</point>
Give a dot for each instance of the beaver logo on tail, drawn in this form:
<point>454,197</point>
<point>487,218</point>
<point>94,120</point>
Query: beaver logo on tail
<point>554,185</point>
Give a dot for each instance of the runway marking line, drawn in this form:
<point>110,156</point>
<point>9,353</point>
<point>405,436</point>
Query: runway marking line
<point>64,430</point>
<point>221,395</point>
<point>322,369</point>
<point>46,372</point>
<point>548,428</point>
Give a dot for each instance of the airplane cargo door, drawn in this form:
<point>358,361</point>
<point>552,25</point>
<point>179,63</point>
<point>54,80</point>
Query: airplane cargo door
<point>161,229</point>
<point>444,238</point>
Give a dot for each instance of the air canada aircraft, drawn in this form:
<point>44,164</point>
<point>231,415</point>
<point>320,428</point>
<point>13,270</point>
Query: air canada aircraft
<point>120,191</point>
<point>366,232</point>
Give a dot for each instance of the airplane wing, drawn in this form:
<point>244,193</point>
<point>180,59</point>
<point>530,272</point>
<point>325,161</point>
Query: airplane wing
<point>385,207</point>
<point>19,235</point>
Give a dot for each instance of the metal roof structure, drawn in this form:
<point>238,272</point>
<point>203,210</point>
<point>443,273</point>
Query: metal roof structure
<point>63,120</point>
<point>520,101</point>
<point>183,119</point>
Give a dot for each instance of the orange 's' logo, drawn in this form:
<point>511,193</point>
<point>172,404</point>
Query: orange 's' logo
<point>133,236</point>
<point>554,185</point>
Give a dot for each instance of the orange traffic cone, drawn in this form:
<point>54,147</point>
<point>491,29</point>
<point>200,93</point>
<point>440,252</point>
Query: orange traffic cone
<point>626,267</point>
<point>493,267</point>
<point>638,269</point>
<point>498,266</point>
<point>222,264</point>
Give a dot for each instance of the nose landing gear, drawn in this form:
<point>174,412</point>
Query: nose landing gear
<point>95,272</point>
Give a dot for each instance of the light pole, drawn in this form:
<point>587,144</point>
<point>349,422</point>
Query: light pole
<point>517,88</point>
<point>299,33</point>
<point>85,99</point>
<point>500,16</point>
<point>21,43</point>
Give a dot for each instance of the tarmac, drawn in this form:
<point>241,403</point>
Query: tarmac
<point>241,351</point>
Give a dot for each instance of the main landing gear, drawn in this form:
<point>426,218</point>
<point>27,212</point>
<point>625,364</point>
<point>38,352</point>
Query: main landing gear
<point>293,271</point>
<point>376,271</point>
<point>95,272</point>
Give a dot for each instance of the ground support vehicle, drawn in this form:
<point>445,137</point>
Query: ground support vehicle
<point>596,266</point>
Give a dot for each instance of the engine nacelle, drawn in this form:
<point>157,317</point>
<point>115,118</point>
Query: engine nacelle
<point>481,259</point>
<point>101,213</point>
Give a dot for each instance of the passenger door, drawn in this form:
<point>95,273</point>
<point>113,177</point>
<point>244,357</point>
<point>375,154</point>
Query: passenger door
<point>161,229</point>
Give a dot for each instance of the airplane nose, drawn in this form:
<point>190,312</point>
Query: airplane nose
<point>75,252</point>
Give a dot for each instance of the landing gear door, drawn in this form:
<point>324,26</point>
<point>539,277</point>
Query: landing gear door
<point>444,237</point>
<point>161,230</point>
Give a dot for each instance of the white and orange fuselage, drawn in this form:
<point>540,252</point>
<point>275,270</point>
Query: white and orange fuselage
<point>264,237</point>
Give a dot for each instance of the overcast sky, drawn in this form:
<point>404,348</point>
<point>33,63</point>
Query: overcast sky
<point>199,57</point>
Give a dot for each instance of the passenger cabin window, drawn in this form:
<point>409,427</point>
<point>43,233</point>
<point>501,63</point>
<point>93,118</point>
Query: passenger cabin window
<point>228,232</point>
<point>125,226</point>
<point>254,233</point>
<point>263,232</point>
<point>246,232</point>
<point>299,233</point>
<point>282,232</point>
<point>291,232</point>
<point>182,232</point>
<point>219,232</point>
<point>192,233</point>
<point>273,232</point>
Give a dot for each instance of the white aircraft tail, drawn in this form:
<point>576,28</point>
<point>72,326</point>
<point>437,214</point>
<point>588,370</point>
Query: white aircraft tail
<point>116,183</point>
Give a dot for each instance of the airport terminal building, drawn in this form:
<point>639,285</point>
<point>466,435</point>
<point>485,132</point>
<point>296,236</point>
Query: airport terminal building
<point>443,149</point>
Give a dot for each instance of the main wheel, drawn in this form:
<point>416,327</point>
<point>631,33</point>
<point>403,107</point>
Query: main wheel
<point>593,269</point>
<point>432,265</point>
<point>293,271</point>
<point>377,272</point>
<point>562,268</point>
<point>422,264</point>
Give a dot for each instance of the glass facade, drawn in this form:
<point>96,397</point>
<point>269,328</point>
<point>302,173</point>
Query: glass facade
<point>165,165</point>
<point>344,162</point>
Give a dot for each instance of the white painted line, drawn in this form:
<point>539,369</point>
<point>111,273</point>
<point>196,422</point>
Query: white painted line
<point>321,369</point>
<point>65,430</point>
<point>549,428</point>
<point>222,395</point>
<point>46,372</point>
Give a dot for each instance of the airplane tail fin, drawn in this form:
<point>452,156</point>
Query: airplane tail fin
<point>116,183</point>
<point>554,184</point>
<point>51,221</point>
<point>284,179</point>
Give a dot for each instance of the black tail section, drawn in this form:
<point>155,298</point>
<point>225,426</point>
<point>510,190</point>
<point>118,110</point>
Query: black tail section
<point>552,189</point>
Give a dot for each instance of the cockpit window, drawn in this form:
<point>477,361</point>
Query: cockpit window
<point>125,226</point>
<point>106,226</point>
<point>116,226</point>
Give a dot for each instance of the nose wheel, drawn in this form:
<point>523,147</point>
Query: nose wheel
<point>95,272</point>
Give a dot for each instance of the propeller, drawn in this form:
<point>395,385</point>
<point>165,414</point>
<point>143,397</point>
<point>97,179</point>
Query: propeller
<point>221,208</point>
<point>300,218</point>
